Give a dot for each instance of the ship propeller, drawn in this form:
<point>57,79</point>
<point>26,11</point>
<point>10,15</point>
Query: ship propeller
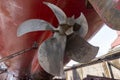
<point>67,39</point>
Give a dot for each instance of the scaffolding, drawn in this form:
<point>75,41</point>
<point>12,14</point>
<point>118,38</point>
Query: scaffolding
<point>107,63</point>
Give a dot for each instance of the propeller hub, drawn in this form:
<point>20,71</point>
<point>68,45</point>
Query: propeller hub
<point>66,29</point>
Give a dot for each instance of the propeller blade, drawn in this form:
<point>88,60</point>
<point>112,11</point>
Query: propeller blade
<point>61,16</point>
<point>51,53</point>
<point>84,25</point>
<point>33,25</point>
<point>79,49</point>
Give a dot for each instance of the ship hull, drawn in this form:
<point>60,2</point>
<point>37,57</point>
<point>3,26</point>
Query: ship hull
<point>14,12</point>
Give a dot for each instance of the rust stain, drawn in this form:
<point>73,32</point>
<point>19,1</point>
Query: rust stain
<point>3,9</point>
<point>118,5</point>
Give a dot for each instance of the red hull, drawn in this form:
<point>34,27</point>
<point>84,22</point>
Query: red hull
<point>13,13</point>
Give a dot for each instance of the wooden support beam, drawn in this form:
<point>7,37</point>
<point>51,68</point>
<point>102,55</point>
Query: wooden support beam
<point>104,58</point>
<point>114,65</point>
<point>110,70</point>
